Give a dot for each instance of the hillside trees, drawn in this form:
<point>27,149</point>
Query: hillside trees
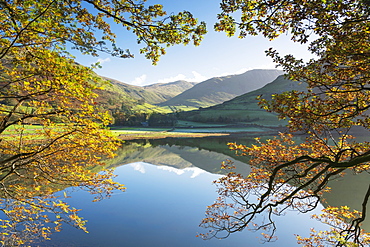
<point>294,175</point>
<point>52,135</point>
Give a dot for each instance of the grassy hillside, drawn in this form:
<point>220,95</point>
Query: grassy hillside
<point>219,89</point>
<point>114,97</point>
<point>152,94</point>
<point>136,92</point>
<point>167,91</point>
<point>244,108</point>
<point>133,105</point>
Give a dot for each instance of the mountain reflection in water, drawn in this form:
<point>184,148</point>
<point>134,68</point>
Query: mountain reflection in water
<point>169,187</point>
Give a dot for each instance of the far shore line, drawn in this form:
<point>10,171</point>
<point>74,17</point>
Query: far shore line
<point>163,135</point>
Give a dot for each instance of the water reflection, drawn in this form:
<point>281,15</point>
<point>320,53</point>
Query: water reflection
<point>350,190</point>
<point>204,153</point>
<point>162,207</point>
<point>168,189</point>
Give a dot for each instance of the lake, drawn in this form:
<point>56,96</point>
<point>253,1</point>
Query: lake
<point>169,185</point>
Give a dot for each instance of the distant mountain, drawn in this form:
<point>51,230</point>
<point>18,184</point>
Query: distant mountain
<point>244,108</point>
<point>174,156</point>
<point>169,90</point>
<point>136,92</point>
<point>153,94</point>
<point>248,100</point>
<point>115,97</point>
<point>219,89</point>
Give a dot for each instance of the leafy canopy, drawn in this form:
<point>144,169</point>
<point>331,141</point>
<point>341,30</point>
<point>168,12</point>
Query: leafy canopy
<point>288,174</point>
<point>52,135</point>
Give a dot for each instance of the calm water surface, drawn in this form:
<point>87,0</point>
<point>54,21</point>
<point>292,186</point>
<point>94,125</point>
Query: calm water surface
<point>167,194</point>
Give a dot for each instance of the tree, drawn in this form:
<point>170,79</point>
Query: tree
<point>52,135</point>
<point>160,119</point>
<point>288,174</point>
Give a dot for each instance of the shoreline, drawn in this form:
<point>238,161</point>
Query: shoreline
<point>163,135</point>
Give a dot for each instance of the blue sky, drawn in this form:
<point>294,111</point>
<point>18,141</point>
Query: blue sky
<point>217,55</point>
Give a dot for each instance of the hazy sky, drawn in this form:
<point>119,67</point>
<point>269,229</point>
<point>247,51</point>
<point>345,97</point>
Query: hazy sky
<point>217,55</point>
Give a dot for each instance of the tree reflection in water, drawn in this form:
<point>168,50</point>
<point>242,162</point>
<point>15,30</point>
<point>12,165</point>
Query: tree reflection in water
<point>201,153</point>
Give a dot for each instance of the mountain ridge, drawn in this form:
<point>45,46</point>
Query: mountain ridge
<point>245,108</point>
<point>216,90</point>
<point>155,93</point>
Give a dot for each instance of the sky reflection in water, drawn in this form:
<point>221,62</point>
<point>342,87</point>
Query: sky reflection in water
<point>162,206</point>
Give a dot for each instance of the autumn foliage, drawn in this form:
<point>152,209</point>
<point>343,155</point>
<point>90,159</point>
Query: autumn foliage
<point>52,135</point>
<point>288,173</point>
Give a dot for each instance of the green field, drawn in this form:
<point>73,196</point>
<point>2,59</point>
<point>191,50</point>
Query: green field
<point>25,129</point>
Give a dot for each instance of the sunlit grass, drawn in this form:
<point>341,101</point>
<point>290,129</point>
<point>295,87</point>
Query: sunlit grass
<point>26,129</point>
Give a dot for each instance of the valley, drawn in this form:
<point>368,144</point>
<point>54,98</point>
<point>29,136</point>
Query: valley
<point>229,102</point>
